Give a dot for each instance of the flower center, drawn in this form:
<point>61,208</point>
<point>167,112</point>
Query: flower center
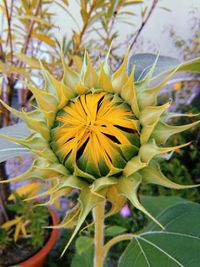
<point>97,133</point>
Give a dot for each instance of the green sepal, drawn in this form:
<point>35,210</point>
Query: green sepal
<point>120,77</point>
<point>105,64</point>
<point>142,87</point>
<point>150,150</point>
<point>40,169</point>
<point>150,94</point>
<point>145,82</point>
<point>149,118</point>
<point>72,182</point>
<point>152,174</point>
<point>53,168</point>
<point>36,144</point>
<point>33,119</point>
<point>70,77</point>
<point>50,117</point>
<point>45,100</point>
<point>78,172</point>
<point>71,218</point>
<point>36,121</point>
<point>104,81</point>
<point>115,199</point>
<point>54,196</point>
<point>84,66</point>
<point>133,165</point>
<point>151,114</point>
<point>128,93</point>
<point>102,183</point>
<point>128,187</point>
<point>88,201</point>
<point>67,183</point>
<point>164,131</point>
<point>90,77</point>
<point>170,115</point>
<point>58,89</point>
<point>114,171</point>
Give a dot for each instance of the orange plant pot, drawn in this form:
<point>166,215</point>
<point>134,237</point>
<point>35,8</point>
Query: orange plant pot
<point>39,258</point>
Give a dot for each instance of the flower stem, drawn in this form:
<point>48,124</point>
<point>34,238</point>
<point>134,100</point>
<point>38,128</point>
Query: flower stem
<point>112,242</point>
<point>98,215</point>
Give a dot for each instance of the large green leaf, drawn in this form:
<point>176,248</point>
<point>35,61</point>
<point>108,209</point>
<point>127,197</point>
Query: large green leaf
<point>164,65</point>
<point>145,61</point>
<point>85,259</point>
<point>178,245</point>
<point>156,204</point>
<point>9,149</point>
<point>83,243</point>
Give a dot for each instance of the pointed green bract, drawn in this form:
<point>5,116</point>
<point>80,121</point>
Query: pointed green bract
<point>88,201</point>
<point>153,175</point>
<point>90,77</point>
<point>164,131</point>
<point>149,151</point>
<point>128,187</point>
<point>120,77</point>
<point>33,119</point>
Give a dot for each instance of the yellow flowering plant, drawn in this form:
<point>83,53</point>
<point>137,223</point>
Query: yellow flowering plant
<point>103,134</point>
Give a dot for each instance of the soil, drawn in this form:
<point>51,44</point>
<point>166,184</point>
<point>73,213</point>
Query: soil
<point>20,251</point>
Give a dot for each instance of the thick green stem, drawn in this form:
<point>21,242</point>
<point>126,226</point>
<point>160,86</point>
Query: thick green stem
<point>98,215</point>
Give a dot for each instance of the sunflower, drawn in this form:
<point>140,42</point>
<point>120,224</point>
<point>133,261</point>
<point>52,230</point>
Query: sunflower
<point>100,133</point>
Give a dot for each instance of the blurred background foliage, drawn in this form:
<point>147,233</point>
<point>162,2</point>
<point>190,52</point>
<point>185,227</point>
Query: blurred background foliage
<point>27,34</point>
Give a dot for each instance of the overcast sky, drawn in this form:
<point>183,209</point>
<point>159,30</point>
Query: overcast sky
<point>155,31</point>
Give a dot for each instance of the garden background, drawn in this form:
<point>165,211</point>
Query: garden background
<point>29,33</point>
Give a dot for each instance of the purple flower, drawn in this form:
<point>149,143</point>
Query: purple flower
<point>125,211</point>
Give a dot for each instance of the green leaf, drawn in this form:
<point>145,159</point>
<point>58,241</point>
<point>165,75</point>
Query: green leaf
<point>151,203</point>
<point>9,149</point>
<point>85,259</point>
<point>83,243</point>
<point>178,245</point>
<point>114,230</point>
<point>164,65</point>
<point>35,19</point>
<point>28,60</point>
<point>145,61</point>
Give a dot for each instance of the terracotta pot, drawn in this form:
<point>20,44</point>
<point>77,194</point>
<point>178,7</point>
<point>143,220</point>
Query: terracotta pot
<point>38,259</point>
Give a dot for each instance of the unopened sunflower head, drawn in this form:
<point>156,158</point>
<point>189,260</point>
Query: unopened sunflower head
<point>100,133</point>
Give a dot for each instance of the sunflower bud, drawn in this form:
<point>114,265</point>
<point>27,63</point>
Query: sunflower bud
<point>100,133</point>
<point>97,132</point>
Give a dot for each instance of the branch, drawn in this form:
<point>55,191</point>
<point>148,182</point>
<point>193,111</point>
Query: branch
<point>9,38</point>
<point>81,34</point>
<point>28,37</point>
<point>25,48</point>
<point>143,23</point>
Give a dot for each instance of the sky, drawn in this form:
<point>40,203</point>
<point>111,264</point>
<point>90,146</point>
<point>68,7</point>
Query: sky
<point>155,32</point>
